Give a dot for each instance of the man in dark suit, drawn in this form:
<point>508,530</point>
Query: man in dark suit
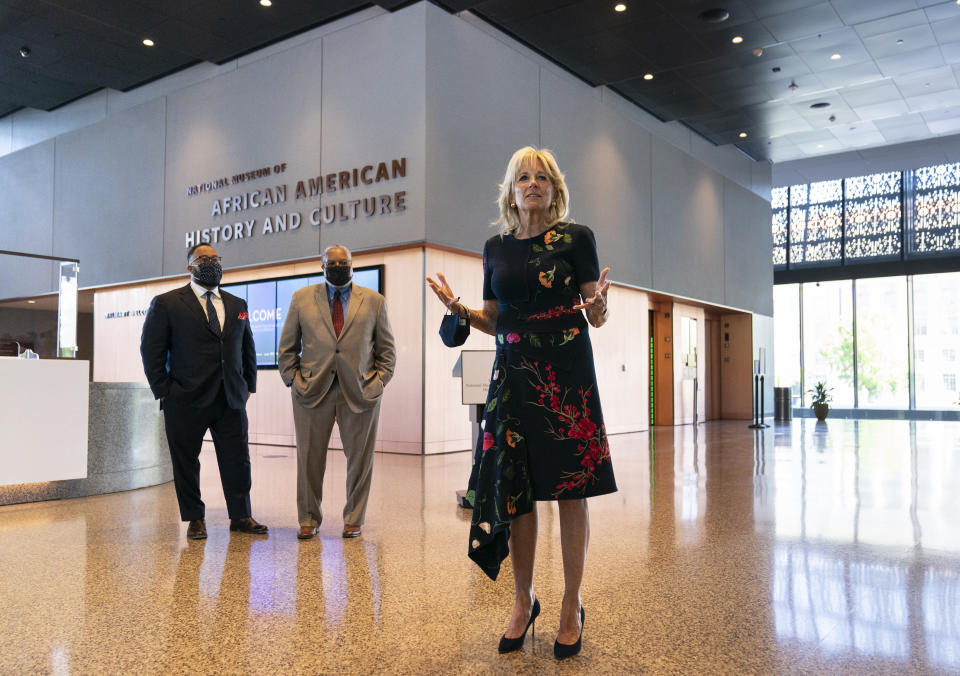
<point>200,361</point>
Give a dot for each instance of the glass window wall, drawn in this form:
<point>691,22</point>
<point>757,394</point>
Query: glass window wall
<point>936,319</point>
<point>855,335</point>
<point>882,345</point>
<point>828,339</point>
<point>786,338</point>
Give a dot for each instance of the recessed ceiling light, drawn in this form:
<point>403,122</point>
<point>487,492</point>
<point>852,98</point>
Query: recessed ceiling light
<point>148,42</point>
<point>620,7</point>
<point>743,134</point>
<point>265,3</point>
<point>900,42</point>
<point>32,302</point>
<point>758,51</point>
<point>820,104</point>
<point>819,145</point>
<point>648,76</point>
<point>737,40</point>
<point>25,51</point>
<point>834,57</point>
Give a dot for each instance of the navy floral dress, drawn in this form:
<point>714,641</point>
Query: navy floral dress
<point>542,436</point>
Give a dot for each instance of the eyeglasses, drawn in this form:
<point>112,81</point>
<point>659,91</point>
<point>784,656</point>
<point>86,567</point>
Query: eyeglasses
<point>200,260</point>
<point>338,264</point>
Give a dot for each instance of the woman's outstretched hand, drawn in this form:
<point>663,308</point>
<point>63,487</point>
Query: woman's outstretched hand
<point>598,301</point>
<point>443,291</point>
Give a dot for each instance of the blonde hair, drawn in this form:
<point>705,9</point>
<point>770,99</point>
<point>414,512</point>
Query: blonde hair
<point>509,215</point>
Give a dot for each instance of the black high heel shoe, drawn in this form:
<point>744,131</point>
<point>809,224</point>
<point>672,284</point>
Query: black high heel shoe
<point>508,645</point>
<point>562,650</point>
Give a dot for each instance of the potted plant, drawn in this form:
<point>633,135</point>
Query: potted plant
<point>821,400</point>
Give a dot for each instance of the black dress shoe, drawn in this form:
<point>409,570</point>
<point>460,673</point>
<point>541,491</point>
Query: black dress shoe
<point>248,525</point>
<point>197,530</point>
<point>508,645</point>
<point>564,650</point>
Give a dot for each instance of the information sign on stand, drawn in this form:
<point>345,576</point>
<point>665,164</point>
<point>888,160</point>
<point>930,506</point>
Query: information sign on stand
<point>476,366</point>
<point>475,369</point>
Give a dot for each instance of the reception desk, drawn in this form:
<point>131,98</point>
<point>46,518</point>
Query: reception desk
<point>64,437</point>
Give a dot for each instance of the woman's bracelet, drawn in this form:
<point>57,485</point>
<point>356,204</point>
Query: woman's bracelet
<point>456,307</point>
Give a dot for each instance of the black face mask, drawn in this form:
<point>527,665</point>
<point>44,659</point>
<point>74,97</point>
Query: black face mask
<point>454,330</point>
<point>338,276</point>
<point>207,273</point>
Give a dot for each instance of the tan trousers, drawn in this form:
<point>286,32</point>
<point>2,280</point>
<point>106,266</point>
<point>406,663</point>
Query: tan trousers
<point>358,431</point>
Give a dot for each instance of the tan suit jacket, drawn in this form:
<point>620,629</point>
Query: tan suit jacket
<point>362,358</point>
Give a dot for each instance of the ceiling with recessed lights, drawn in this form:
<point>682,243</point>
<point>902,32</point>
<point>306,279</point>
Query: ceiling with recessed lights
<point>779,79</point>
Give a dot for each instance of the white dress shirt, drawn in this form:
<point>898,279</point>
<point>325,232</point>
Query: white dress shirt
<point>202,297</point>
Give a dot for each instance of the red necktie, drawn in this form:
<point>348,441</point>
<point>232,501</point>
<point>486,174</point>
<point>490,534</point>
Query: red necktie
<point>337,314</point>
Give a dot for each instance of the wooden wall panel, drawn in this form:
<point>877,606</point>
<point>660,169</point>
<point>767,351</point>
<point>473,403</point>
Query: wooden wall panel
<point>736,368</point>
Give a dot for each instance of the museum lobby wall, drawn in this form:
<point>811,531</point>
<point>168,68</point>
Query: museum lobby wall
<point>123,181</point>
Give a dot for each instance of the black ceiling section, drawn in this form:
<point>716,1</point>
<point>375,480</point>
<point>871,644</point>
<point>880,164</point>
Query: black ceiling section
<point>890,69</point>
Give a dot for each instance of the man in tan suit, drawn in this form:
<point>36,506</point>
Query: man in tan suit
<point>336,354</point>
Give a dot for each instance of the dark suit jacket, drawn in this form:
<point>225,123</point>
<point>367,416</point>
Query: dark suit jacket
<point>184,359</point>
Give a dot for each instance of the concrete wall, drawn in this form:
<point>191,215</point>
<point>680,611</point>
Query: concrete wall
<point>105,179</point>
<point>671,213</point>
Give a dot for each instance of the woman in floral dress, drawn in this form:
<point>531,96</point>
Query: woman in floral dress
<point>543,436</point>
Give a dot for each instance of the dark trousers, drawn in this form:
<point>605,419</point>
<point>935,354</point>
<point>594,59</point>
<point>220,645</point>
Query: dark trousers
<point>185,427</point>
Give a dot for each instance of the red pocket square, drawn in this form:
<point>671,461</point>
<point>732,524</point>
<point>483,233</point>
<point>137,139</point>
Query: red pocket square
<point>243,315</point>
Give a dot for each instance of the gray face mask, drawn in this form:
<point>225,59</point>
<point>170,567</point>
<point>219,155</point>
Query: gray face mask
<point>208,273</point>
<point>338,276</point>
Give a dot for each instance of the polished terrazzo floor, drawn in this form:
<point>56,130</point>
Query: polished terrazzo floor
<point>802,549</point>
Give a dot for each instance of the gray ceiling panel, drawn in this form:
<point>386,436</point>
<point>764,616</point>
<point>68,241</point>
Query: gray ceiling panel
<point>907,120</point>
<point>884,109</point>
<point>947,99</point>
<point>911,62</point>
<point>801,23</point>
<point>926,81</point>
<point>701,78</point>
<point>951,53</point>
<point>823,41</point>
<point>858,11</point>
<point>851,76</point>
<point>948,30</point>
<point>898,42</point>
<point>939,10</point>
<point>906,133</point>
<point>868,94</point>
<point>895,22</point>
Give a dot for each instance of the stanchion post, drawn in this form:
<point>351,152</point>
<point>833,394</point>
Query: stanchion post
<point>763,402</point>
<point>758,404</point>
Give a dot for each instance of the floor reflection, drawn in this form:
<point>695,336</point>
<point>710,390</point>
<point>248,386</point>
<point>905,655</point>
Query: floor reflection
<point>852,571</point>
<point>803,548</point>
